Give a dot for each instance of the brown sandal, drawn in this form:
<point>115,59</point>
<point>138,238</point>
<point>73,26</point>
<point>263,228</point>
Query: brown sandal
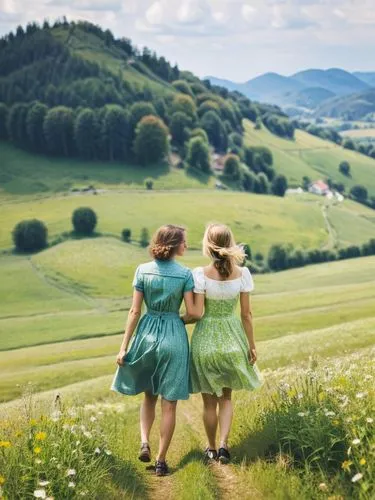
<point>145,453</point>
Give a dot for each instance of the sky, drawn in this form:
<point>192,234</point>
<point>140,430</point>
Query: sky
<point>233,39</point>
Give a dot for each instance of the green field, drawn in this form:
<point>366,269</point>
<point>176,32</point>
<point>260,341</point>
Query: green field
<point>311,156</point>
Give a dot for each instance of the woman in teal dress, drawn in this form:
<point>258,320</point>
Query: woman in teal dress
<point>157,362</point>
<point>223,350</point>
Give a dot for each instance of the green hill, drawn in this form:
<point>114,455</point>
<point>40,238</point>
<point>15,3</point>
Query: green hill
<point>352,107</point>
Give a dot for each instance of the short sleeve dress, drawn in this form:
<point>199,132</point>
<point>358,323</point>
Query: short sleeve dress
<point>158,358</point>
<point>219,346</point>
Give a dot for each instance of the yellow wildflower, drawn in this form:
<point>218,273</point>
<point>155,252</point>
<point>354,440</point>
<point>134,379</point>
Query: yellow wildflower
<point>40,436</point>
<point>2,480</point>
<point>37,450</point>
<point>346,464</point>
<point>321,396</point>
<point>19,434</point>
<point>335,422</point>
<point>362,461</point>
<point>5,444</point>
<point>33,422</point>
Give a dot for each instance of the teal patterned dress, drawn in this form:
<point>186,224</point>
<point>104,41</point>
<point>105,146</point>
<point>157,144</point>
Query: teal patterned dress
<point>158,358</point>
<point>219,346</point>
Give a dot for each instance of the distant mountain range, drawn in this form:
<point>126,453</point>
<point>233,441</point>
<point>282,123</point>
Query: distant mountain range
<point>306,89</point>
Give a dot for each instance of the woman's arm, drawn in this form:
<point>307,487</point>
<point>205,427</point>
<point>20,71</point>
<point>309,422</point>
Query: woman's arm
<point>131,324</point>
<point>194,305</point>
<point>247,322</point>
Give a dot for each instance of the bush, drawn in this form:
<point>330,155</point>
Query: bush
<point>126,235</point>
<point>348,144</point>
<point>145,238</point>
<point>344,168</point>
<point>30,235</point>
<point>359,193</point>
<point>84,220</point>
<point>149,183</point>
<point>277,258</point>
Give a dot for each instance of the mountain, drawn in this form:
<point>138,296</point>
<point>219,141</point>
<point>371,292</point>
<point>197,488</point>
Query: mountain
<point>338,81</point>
<point>367,77</point>
<point>353,107</point>
<point>305,89</point>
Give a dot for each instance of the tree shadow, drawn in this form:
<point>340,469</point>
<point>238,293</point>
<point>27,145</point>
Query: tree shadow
<point>201,177</point>
<point>253,446</point>
<point>129,479</point>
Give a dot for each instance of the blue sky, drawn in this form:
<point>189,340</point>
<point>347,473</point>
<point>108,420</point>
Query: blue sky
<point>234,39</point>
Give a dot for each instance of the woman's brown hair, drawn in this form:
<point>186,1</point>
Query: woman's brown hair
<point>219,245</point>
<point>166,241</point>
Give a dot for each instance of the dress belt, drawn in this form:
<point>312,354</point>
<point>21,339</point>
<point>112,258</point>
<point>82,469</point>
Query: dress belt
<point>162,314</point>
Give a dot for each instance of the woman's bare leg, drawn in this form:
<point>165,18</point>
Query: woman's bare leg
<point>147,416</point>
<point>167,426</point>
<point>225,416</point>
<point>210,420</point>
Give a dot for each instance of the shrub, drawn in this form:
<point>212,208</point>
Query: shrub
<point>149,183</point>
<point>359,193</point>
<point>30,235</point>
<point>84,220</point>
<point>277,258</point>
<point>145,238</point>
<point>126,235</point>
<point>344,168</point>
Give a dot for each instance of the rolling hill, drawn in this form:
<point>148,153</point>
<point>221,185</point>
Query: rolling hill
<point>351,107</point>
<point>305,89</point>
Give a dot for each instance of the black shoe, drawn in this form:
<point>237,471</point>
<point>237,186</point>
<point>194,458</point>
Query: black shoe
<point>224,456</point>
<point>161,468</point>
<point>210,455</point>
<point>144,453</point>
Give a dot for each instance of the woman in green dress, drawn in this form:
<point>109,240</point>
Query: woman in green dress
<point>157,362</point>
<point>223,353</point>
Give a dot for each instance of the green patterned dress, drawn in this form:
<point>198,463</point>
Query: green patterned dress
<point>219,346</point>
<point>158,358</point>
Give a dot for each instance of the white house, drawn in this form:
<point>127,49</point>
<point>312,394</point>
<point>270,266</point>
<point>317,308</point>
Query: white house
<point>319,187</point>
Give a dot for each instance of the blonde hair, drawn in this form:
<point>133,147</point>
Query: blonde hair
<point>219,245</point>
<point>166,241</point>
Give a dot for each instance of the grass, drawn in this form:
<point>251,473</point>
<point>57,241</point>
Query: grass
<point>361,133</point>
<point>313,157</point>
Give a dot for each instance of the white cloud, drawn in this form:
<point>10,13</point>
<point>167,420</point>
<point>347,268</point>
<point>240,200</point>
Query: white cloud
<point>192,11</point>
<point>248,12</point>
<point>154,15</point>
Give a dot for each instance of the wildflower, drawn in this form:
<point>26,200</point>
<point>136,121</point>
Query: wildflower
<point>19,434</point>
<point>97,451</point>
<point>40,436</point>
<point>71,484</point>
<point>33,422</point>
<point>71,472</point>
<point>37,450</point>
<point>43,483</point>
<point>335,422</point>
<point>361,395</point>
<point>323,487</point>
<point>40,493</point>
<point>5,444</point>
<point>38,461</point>
<point>2,480</point>
<point>369,420</point>
<point>362,461</point>
<point>108,452</point>
<point>357,477</point>
<point>92,419</point>
<point>301,414</point>
<point>329,413</point>
<point>346,465</point>
<point>50,498</point>
<point>356,441</point>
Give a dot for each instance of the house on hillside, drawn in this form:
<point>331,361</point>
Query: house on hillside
<point>319,187</point>
<point>218,163</point>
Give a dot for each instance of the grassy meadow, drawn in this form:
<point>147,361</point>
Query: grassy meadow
<point>62,313</point>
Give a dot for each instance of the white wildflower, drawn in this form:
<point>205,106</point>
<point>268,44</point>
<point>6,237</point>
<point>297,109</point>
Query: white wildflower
<point>108,452</point>
<point>97,451</point>
<point>93,419</point>
<point>87,434</point>
<point>323,487</point>
<point>369,420</point>
<point>71,484</point>
<point>38,461</point>
<point>301,414</point>
<point>356,441</point>
<point>40,493</point>
<point>361,395</point>
<point>43,483</point>
<point>357,477</point>
<point>78,443</point>
<point>55,415</point>
<point>71,472</point>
